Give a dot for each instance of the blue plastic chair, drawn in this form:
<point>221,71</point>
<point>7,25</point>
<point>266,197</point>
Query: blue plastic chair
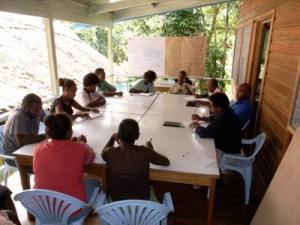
<point>134,212</point>
<point>243,164</point>
<point>51,207</point>
<point>5,168</point>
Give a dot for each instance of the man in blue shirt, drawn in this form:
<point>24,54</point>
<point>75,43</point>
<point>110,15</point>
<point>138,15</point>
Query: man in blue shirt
<point>243,107</point>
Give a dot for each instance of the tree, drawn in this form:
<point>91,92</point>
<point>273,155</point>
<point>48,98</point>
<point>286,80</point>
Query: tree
<point>217,22</point>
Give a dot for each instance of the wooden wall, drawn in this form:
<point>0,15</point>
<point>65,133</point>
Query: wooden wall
<point>279,81</point>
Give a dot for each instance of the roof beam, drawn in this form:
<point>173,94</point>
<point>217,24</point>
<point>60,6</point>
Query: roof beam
<point>121,5</point>
<point>162,7</point>
<point>61,10</point>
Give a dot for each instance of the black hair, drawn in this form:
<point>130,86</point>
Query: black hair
<point>219,99</point>
<point>99,70</point>
<point>129,131</point>
<point>57,125</point>
<point>30,99</point>
<point>186,79</point>
<point>214,82</point>
<point>151,75</point>
<point>90,79</point>
<point>66,83</point>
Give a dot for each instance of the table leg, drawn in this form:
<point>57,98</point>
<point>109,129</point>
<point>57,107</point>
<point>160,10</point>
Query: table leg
<point>25,181</point>
<point>211,201</point>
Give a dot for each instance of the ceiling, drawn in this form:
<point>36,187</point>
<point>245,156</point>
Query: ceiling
<point>99,12</point>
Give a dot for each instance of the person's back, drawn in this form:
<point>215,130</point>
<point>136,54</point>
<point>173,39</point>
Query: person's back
<point>128,165</point>
<point>225,129</point>
<point>58,166</point>
<point>128,172</point>
<point>58,163</point>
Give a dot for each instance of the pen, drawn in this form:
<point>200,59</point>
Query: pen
<point>150,140</point>
<point>185,154</point>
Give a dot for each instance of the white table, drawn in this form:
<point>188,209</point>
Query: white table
<point>129,103</point>
<point>180,145</point>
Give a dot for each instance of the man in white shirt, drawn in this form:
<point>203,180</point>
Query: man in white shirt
<point>181,87</point>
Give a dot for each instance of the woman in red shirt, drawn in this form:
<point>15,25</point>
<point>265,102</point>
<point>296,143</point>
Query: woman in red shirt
<point>58,163</point>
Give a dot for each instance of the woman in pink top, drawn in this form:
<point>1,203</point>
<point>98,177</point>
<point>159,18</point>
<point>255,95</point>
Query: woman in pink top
<point>58,163</point>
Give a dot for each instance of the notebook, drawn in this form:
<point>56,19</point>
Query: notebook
<point>172,124</point>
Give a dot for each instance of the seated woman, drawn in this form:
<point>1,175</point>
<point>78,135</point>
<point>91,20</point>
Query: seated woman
<point>146,84</point>
<point>181,87</point>
<point>88,96</point>
<point>66,101</point>
<point>128,164</point>
<point>104,87</point>
<point>58,163</point>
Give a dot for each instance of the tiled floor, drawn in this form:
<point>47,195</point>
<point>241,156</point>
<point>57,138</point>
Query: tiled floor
<point>14,184</point>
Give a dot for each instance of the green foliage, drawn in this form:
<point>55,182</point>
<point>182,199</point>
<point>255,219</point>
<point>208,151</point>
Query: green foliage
<point>216,22</point>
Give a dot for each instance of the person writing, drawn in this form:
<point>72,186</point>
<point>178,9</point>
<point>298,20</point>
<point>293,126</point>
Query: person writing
<point>242,107</point>
<point>104,87</point>
<point>181,87</point>
<point>66,101</point>
<point>58,163</point>
<point>146,84</point>
<point>128,166</point>
<point>88,96</point>
<point>22,125</point>
<point>225,129</point>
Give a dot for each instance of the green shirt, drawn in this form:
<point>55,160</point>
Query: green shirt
<point>105,86</point>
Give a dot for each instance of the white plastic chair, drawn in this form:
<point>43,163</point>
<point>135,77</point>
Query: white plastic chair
<point>5,168</point>
<point>134,212</point>
<point>51,207</point>
<point>243,164</point>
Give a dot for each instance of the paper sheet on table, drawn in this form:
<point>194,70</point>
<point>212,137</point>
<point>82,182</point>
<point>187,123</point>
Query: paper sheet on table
<point>199,158</point>
<point>147,94</point>
<point>94,115</point>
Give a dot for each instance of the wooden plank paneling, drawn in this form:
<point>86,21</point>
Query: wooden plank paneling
<point>286,11</point>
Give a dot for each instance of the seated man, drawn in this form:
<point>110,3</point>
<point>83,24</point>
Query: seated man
<point>88,96</point>
<point>181,87</point>
<point>242,107</point>
<point>212,88</point>
<point>104,87</point>
<point>225,129</point>
<point>145,85</point>
<point>22,125</point>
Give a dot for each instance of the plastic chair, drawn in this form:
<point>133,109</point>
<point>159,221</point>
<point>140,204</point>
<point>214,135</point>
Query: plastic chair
<point>51,207</point>
<point>246,124</point>
<point>6,167</point>
<point>134,212</point>
<point>243,164</point>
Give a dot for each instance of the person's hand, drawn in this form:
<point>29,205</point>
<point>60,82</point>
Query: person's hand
<point>85,115</point>
<point>95,110</point>
<point>149,144</point>
<point>82,138</point>
<point>115,136</point>
<point>194,124</point>
<point>195,117</point>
